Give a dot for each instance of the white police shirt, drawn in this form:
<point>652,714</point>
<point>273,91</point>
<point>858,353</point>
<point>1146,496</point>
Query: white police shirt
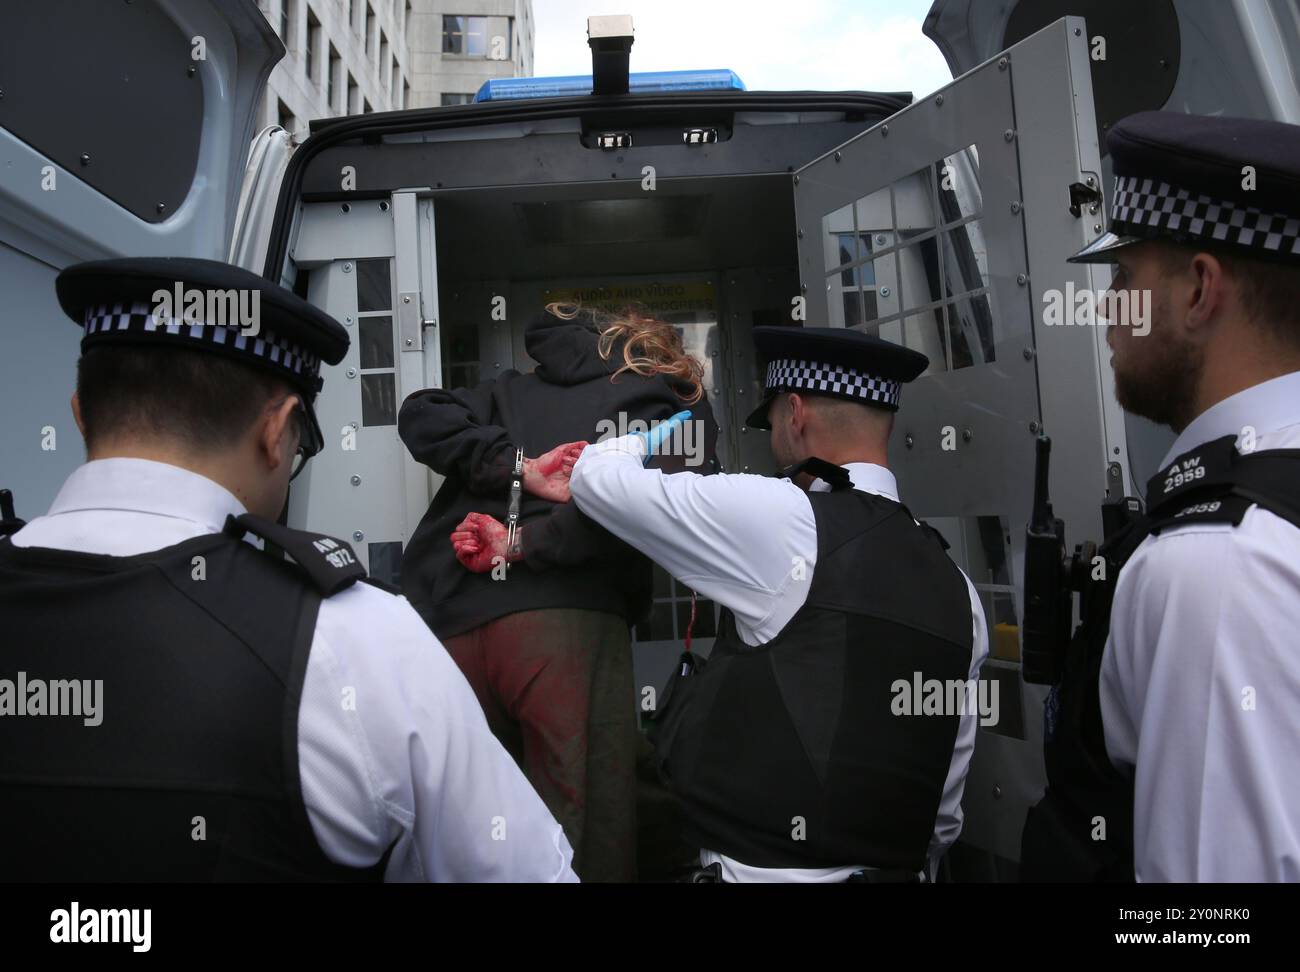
<point>413,762</point>
<point>1200,680</point>
<point>733,539</point>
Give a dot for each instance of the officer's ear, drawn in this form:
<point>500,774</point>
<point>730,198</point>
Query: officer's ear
<point>1207,292</point>
<point>277,440</point>
<point>799,412</point>
<point>76,414</point>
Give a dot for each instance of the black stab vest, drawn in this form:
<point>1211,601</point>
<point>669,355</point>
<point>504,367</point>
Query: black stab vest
<point>201,683</point>
<point>1082,828</point>
<point>789,754</point>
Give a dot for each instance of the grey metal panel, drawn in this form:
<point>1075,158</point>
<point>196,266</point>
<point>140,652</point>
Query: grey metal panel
<point>123,76</point>
<point>38,360</point>
<point>996,401</point>
<point>350,493</point>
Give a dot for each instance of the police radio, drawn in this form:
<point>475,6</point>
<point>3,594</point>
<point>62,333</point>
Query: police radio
<point>1053,576</point>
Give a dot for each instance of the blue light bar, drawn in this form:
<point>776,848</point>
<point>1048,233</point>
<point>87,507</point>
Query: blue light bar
<point>574,85</point>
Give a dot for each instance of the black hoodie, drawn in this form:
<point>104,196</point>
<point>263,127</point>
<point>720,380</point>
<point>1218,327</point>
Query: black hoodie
<point>470,436</point>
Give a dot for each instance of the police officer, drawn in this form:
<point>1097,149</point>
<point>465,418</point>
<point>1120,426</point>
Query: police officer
<point>178,704</point>
<point>1171,743</point>
<point>794,750</point>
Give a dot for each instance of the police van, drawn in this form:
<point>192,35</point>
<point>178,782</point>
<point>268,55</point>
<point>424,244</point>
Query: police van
<point>433,235</point>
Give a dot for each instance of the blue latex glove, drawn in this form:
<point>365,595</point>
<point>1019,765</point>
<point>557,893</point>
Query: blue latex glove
<point>656,436</point>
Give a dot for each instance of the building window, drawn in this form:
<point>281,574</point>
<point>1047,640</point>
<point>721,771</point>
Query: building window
<point>365,30</point>
<point>384,65</point>
<point>406,94</point>
<point>406,16</point>
<point>464,35</point>
<point>283,116</point>
<point>286,21</point>
<point>352,14</point>
<point>333,71</point>
<point>366,108</point>
<point>351,104</point>
<point>313,44</point>
<point>456,98</point>
<point>395,91</point>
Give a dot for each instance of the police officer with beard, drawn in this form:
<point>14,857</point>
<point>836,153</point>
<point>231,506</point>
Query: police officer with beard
<point>256,718</point>
<point>1171,743</point>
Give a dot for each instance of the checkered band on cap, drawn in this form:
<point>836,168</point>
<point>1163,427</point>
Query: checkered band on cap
<point>790,373</point>
<point>1149,207</point>
<point>106,320</point>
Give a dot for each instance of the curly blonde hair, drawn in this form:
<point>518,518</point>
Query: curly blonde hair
<point>650,346</point>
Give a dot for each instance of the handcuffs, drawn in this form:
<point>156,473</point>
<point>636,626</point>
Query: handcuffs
<point>512,511</point>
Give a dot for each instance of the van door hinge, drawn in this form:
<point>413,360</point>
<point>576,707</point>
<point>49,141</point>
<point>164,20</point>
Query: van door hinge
<point>1081,195</point>
<point>410,333</point>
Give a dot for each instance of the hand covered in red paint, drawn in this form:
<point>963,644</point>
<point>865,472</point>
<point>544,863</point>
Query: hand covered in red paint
<point>479,540</point>
<point>547,476</point>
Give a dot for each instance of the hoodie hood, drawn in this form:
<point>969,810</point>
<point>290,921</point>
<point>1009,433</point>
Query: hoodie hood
<point>566,351</point>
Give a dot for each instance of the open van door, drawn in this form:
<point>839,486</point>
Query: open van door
<point>124,137</point>
<point>946,228</point>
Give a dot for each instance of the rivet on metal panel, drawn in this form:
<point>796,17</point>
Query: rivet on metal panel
<point>346,207</point>
<point>884,130</point>
<point>1021,279</point>
<point>409,342</point>
<point>938,99</point>
<point>1096,227</point>
<point>406,300</point>
<point>884,291</point>
<point>160,207</point>
<point>1002,64</point>
<point>1009,134</point>
<point>356,480</point>
<point>352,372</point>
<point>1077,31</point>
<point>1113,470</point>
<point>1034,426</point>
<point>997,792</point>
<point>796,180</point>
<point>1092,182</point>
<point>799,234</point>
<point>838,156</point>
<point>1029,354</point>
<point>967,435</point>
<point>908,440</point>
<point>85,159</point>
<point>1015,207</point>
<point>347,321</point>
<point>358,535</point>
<point>347,268</point>
<point>880,238</point>
<point>1092,210</point>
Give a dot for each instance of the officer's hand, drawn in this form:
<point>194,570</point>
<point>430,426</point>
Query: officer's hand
<point>547,476</point>
<point>478,540</point>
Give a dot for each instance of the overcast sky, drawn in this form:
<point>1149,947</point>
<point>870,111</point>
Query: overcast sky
<point>830,45</point>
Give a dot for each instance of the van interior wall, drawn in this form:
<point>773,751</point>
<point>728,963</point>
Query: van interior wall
<point>714,257</point>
